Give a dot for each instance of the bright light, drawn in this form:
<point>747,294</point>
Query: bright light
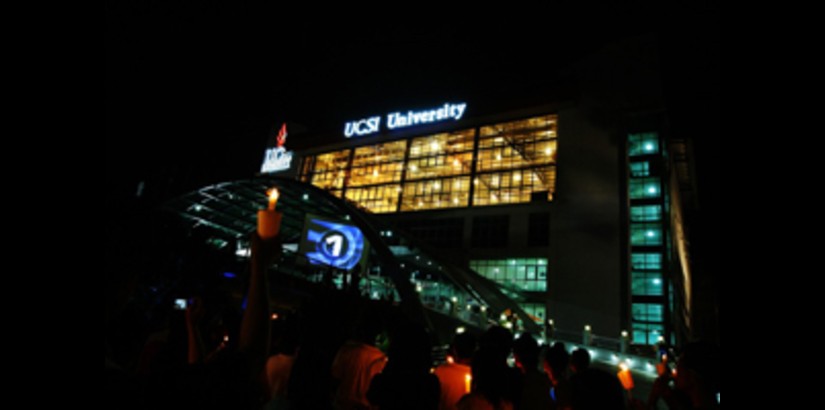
<point>375,172</point>
<point>274,316</point>
<point>651,234</point>
<point>434,145</point>
<point>550,322</point>
<point>455,201</point>
<point>614,358</point>
<point>413,168</point>
<point>494,197</point>
<point>657,281</point>
<point>475,181</point>
<point>508,325</point>
<point>592,354</point>
<point>454,299</point>
<point>661,339</point>
<point>456,162</point>
<point>624,333</point>
<point>469,307</point>
<point>436,185</point>
<point>459,330</point>
<point>623,367</point>
<point>651,190</point>
<point>649,147</point>
<point>517,177</point>
<point>548,151</point>
<point>420,203</point>
<point>587,328</point>
<point>305,197</point>
<point>498,157</point>
<point>503,317</point>
<point>226,338</point>
<point>499,139</point>
<point>629,362</point>
<point>484,308</point>
<point>513,262</point>
<point>389,234</point>
<point>418,288</point>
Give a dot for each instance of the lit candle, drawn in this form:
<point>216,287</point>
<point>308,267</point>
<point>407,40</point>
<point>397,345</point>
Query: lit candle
<point>468,381</point>
<point>625,377</point>
<point>269,220</point>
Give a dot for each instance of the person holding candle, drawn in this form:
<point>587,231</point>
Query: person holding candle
<point>455,374</point>
<point>697,380</point>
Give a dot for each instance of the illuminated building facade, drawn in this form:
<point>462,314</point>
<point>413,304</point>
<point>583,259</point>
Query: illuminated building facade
<point>572,219</point>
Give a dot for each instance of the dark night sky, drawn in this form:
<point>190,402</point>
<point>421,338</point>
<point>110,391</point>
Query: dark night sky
<point>193,90</point>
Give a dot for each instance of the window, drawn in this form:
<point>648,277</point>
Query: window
<point>527,275</point>
<point>515,160</point>
<point>515,163</point>
<point>329,170</point>
<point>378,164</point>
<point>538,230</point>
<point>645,234</point>
<point>647,334</point>
<point>646,261</point>
<point>646,283</point>
<point>648,312</point>
<point>490,231</point>
<point>643,144</point>
<point>380,198</point>
<point>644,188</point>
<point>639,169</point>
<point>436,193</point>
<point>646,213</point>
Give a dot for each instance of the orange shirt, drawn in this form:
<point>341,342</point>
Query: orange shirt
<point>453,379</point>
<point>354,366</point>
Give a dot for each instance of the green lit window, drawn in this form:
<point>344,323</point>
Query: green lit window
<point>646,213</point>
<point>643,144</point>
<point>639,169</point>
<point>643,188</point>
<point>648,312</point>
<point>647,334</point>
<point>537,311</point>
<point>646,261</point>
<point>528,275</point>
<point>646,283</point>
<point>645,234</point>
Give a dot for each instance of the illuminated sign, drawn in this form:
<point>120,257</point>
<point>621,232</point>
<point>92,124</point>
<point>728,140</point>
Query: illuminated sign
<point>277,158</point>
<point>397,120</point>
<point>331,243</point>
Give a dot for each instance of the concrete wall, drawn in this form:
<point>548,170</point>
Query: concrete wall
<point>586,241</point>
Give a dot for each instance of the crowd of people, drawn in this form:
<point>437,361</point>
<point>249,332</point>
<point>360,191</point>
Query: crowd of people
<point>350,353</point>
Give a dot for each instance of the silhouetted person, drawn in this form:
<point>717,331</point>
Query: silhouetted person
<point>535,392</point>
<point>498,341</point>
<point>556,361</point>
<point>697,380</point>
<point>406,382</point>
<point>579,361</point>
<point>355,364</point>
<point>594,389</point>
<point>489,384</point>
<point>454,373</point>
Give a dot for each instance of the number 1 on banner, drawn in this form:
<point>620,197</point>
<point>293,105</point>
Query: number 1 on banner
<point>337,241</point>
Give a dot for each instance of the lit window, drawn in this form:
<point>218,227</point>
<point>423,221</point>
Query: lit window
<point>643,144</point>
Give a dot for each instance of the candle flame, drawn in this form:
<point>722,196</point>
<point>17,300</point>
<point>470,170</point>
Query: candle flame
<point>273,195</point>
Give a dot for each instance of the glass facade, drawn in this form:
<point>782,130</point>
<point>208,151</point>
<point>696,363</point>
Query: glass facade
<point>505,163</point>
<point>518,274</point>
<point>646,238</point>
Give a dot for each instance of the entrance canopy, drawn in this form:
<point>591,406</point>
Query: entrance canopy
<point>396,264</point>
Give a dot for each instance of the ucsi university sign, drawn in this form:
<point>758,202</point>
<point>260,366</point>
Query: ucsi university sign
<point>395,120</point>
